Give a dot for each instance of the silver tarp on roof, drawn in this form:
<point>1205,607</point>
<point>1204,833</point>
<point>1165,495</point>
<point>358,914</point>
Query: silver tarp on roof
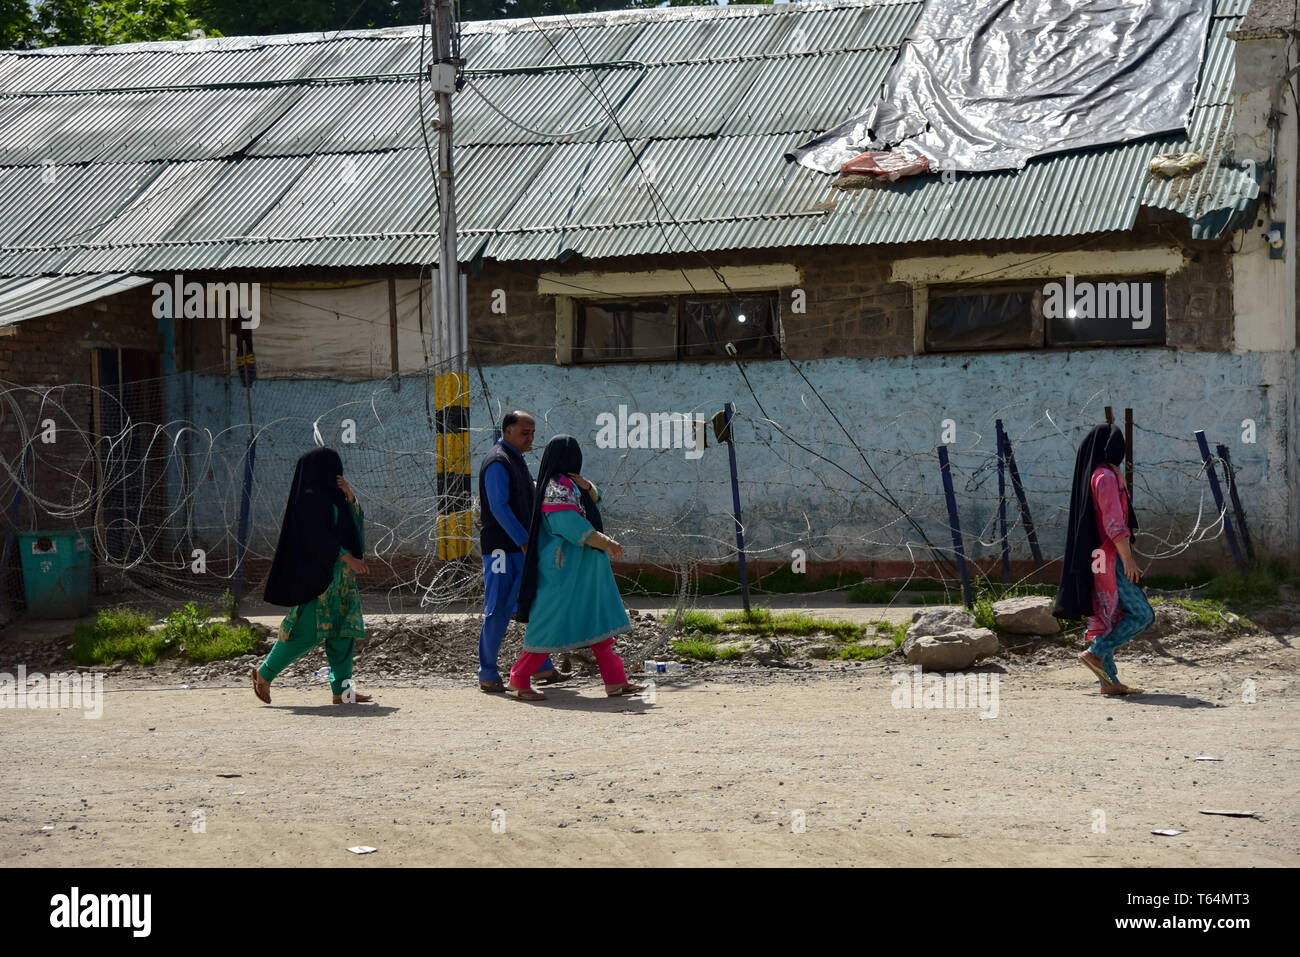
<point>987,86</point>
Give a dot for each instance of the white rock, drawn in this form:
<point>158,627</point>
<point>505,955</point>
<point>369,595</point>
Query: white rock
<point>1031,615</point>
<point>939,621</point>
<point>953,651</point>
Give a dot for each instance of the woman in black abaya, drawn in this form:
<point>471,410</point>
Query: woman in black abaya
<point>315,570</point>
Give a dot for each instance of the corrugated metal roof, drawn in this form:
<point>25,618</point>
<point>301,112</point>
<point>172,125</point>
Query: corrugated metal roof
<point>226,169</point>
<point>30,296</point>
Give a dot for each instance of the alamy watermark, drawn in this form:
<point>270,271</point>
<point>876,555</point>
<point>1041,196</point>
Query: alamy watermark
<point>214,300</point>
<point>957,690</point>
<point>1129,301</point>
<point>67,690</point>
<point>75,909</point>
<point>656,430</point>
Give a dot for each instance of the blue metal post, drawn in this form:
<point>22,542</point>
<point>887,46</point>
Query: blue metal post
<point>1236,500</point>
<point>245,503</point>
<point>1002,508</point>
<point>1218,502</point>
<point>954,525</point>
<point>735,506</point>
<point>1020,497</point>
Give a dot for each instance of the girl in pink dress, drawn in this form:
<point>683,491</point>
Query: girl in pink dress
<point>1099,577</point>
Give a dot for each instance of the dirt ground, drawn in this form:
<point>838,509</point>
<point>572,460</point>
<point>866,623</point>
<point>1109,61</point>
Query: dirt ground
<point>721,768</point>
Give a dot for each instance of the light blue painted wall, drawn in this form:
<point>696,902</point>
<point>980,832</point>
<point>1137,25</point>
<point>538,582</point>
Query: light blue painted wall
<point>664,505</point>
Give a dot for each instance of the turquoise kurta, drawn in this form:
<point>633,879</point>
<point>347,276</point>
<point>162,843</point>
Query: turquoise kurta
<point>577,603</point>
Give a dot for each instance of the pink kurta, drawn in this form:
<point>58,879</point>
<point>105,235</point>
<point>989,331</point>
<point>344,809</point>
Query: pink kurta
<point>1110,506</point>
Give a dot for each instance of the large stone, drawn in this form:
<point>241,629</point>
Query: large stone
<point>1026,616</point>
<point>953,651</point>
<point>939,621</point>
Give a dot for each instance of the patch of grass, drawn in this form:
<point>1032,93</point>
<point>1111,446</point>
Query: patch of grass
<point>122,634</point>
<point>785,581</point>
<point>229,606</point>
<point>117,634</point>
<point>725,580</point>
<point>895,631</point>
<point>996,590</point>
<point>918,591</point>
<point>730,653</point>
<point>861,653</point>
<point>761,622</point>
<point>220,640</point>
<point>1260,585</point>
<point>697,649</point>
<point>935,598</point>
<point>1200,575</point>
<point>701,622</point>
<point>1168,582</point>
<point>647,583</point>
<point>184,625</point>
<point>984,612</point>
<point>872,593</point>
<point>658,584</point>
<point>1212,615</point>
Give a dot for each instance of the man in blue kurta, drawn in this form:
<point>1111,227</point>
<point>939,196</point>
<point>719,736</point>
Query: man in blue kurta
<point>505,490</point>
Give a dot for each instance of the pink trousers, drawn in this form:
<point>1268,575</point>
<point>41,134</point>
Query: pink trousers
<point>610,664</point>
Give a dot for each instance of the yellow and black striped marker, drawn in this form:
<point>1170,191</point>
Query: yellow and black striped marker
<point>451,400</point>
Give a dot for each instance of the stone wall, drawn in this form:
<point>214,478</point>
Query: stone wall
<point>852,310</point>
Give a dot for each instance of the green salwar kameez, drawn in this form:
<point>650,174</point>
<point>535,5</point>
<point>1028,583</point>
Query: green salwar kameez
<point>333,617</point>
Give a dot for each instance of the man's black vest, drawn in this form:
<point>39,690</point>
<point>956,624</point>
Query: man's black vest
<point>493,536</point>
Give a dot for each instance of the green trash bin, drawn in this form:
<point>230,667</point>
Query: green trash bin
<point>56,573</point>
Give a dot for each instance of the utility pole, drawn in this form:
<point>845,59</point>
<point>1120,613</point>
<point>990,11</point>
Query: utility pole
<point>452,384</point>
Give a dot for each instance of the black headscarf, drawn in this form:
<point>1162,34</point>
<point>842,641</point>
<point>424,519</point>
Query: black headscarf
<point>1103,445</point>
<point>562,456</point>
<point>312,532</point>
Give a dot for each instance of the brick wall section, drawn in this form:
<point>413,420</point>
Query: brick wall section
<point>525,333</point>
<point>853,310</point>
<point>54,351</point>
<point>1198,304</point>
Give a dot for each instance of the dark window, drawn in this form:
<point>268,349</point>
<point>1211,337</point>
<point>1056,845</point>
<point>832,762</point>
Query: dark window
<point>630,331</point>
<point>748,324</point>
<point>1097,311</point>
<point>995,317</point>
<point>675,327</point>
<point>1128,310</point>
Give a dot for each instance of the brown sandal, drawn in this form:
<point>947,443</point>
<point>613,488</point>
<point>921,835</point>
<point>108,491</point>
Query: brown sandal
<point>555,677</point>
<point>261,687</point>
<point>1120,689</point>
<point>626,689</point>
<point>492,687</point>
<point>525,694</point>
<point>1096,669</point>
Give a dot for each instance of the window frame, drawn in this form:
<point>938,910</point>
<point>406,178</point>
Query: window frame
<point>1040,324</point>
<point>923,272</point>
<point>677,308</point>
<point>570,288</point>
